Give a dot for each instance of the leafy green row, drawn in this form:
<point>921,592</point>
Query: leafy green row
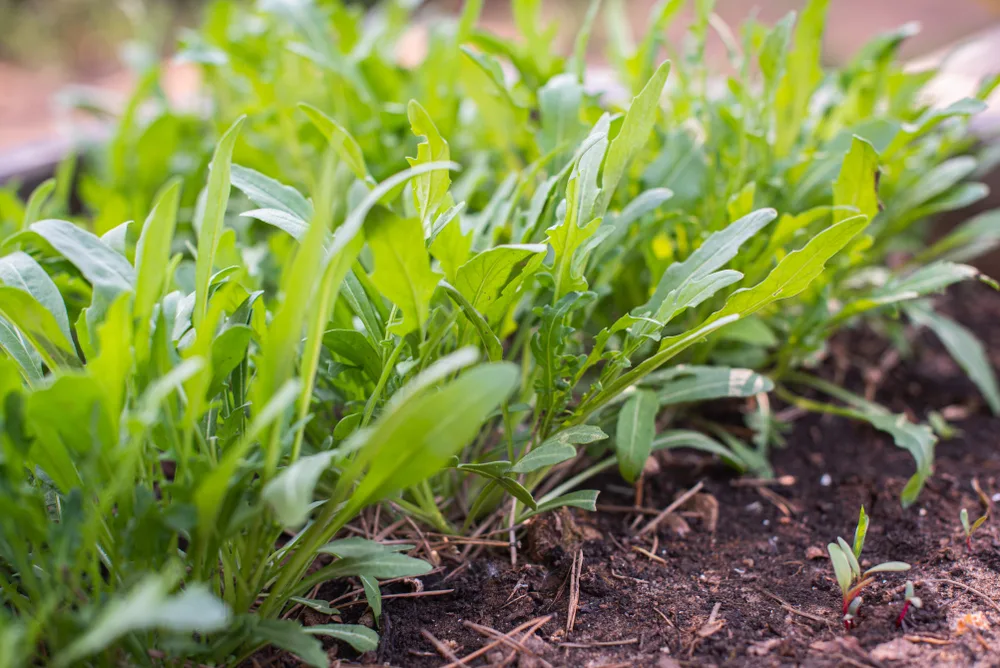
<point>195,406</point>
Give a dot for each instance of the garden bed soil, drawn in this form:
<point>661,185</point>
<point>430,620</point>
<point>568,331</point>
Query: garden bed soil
<point>757,589</point>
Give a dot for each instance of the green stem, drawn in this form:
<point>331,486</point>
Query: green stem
<point>813,406</point>
<point>380,387</point>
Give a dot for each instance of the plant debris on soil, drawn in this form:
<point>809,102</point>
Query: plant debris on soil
<point>739,575</point>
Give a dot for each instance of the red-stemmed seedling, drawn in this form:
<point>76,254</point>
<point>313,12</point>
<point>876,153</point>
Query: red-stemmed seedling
<point>908,600</point>
<point>850,577</point>
<point>971,528</point>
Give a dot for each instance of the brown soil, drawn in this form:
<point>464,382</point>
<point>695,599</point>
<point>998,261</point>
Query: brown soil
<point>758,590</point>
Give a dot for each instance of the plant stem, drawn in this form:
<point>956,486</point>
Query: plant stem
<point>902,614</point>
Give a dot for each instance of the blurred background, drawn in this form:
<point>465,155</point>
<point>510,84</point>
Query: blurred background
<point>49,48</point>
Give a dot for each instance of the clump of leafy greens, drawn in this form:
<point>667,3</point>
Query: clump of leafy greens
<point>293,332</point>
<point>782,146</point>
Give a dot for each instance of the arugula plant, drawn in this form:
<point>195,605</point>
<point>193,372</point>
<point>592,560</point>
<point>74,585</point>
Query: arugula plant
<point>851,579</point>
<point>818,147</point>
<point>619,239</point>
<point>299,338</point>
<point>151,456</point>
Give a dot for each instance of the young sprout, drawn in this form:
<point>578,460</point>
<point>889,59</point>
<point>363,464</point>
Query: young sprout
<point>971,529</point>
<point>909,599</point>
<point>850,577</point>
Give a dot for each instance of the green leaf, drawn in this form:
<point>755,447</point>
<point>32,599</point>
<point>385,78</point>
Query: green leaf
<point>841,567</point>
<point>19,270</point>
<point>315,604</point>
<point>212,488</point>
<point>290,493</point>
<point>494,349</point>
<point>365,304</point>
<point>483,279</point>
<point>795,271</point>
<point>161,388</point>
<point>851,559</point>
<point>356,348</point>
<point>859,533</point>
<point>21,351</point>
<point>558,448</point>
<point>437,372</point>
<point>340,140</point>
<point>918,440</point>
<point>517,490</point>
<point>803,73</point>
<point>382,565</point>
<point>792,275</point>
<point>429,190</point>
<point>961,196</point>
<point>939,179</point>
<point>373,595</point>
<point>357,547</point>
<point>967,350</point>
<point>402,267</point>
<point>268,193</point>
<point>686,438</point>
<point>37,324</point>
<point>585,499</point>
<point>634,435</point>
<point>98,263</point>
<point>855,187</point>
<point>559,103</point>
<point>152,253</point>
<point>547,454</point>
<point>888,567</point>
<point>361,638</point>
<point>284,221</point>
<point>976,236</point>
<point>684,384</point>
<point>771,57</point>
<point>686,284</point>
<point>38,199</point>
<point>634,133</point>
<point>289,635</point>
<point>933,277</point>
<point>422,432</point>
<point>149,605</point>
<point>488,469</point>
<point>450,244</point>
<point>210,217</point>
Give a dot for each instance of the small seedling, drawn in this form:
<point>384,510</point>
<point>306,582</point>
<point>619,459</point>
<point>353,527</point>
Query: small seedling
<point>971,528</point>
<point>848,570</point>
<point>909,599</point>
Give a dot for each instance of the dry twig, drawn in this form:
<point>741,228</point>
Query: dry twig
<point>653,523</point>
<point>649,554</point>
<point>781,481</point>
<point>441,648</point>
<point>516,645</point>
<point>790,608</point>
<point>432,555</point>
<point>413,594</point>
<point>930,640</point>
<point>574,590</point>
<point>532,626</point>
<point>606,643</point>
